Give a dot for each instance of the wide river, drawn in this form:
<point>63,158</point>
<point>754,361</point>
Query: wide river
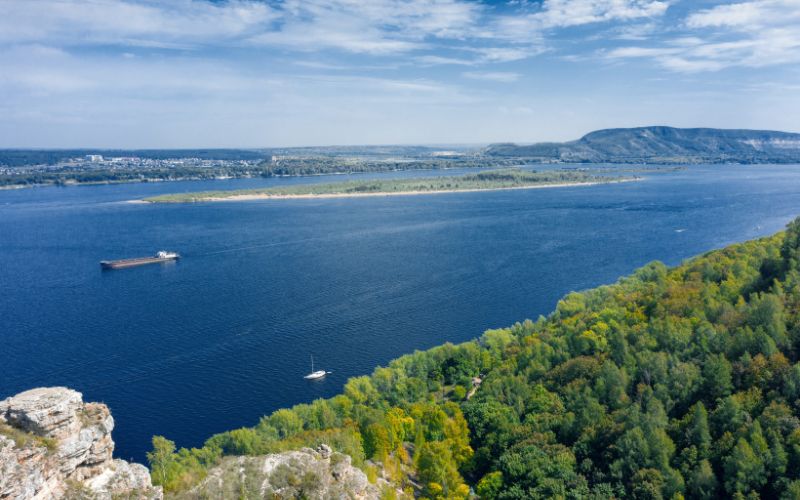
<point>224,336</point>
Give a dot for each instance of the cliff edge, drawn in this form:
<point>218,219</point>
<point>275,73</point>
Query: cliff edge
<point>53,446</point>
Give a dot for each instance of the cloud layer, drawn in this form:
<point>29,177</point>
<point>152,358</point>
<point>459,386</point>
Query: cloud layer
<point>257,72</point>
<point>751,34</point>
<point>375,26</point>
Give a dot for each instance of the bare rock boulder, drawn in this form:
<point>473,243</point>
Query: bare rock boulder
<point>320,474</point>
<point>52,444</point>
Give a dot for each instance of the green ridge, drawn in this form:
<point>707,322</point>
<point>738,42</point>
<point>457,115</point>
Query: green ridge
<point>662,145</point>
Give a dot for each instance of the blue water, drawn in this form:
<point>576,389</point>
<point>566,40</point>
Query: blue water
<point>224,336</point>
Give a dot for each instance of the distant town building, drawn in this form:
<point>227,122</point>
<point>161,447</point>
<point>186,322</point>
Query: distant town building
<point>94,158</point>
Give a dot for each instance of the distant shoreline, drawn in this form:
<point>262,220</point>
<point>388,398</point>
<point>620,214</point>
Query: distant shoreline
<point>268,196</point>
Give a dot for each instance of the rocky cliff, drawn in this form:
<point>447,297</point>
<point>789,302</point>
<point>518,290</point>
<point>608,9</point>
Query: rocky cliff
<point>319,474</point>
<point>53,445</point>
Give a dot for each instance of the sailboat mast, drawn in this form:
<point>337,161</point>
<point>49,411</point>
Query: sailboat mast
<point>312,363</point>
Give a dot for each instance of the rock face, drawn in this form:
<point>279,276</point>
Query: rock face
<point>53,445</point>
<point>319,474</point>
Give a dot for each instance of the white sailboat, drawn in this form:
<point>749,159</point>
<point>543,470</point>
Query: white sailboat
<point>315,374</point>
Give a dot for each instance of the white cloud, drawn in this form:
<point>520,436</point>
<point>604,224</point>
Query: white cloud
<point>751,34</point>
<point>685,65</point>
<point>178,23</point>
<point>635,31</point>
<point>747,15</point>
<point>483,55</point>
<point>59,98</point>
<point>374,27</point>
<point>507,54</point>
<point>41,73</point>
<point>568,13</point>
<point>298,66</point>
<point>492,76</point>
<point>437,60</point>
<point>379,27</point>
<point>312,38</point>
<point>516,110</point>
<point>111,82</point>
<point>630,52</point>
<point>559,13</point>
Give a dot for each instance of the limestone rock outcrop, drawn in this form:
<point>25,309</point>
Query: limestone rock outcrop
<point>319,474</point>
<point>53,445</point>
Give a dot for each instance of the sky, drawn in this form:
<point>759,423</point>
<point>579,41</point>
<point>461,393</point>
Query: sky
<point>262,73</point>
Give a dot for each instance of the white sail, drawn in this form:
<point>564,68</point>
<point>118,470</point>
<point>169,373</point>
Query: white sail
<point>315,374</point>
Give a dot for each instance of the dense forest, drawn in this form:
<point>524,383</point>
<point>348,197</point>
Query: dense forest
<point>671,383</point>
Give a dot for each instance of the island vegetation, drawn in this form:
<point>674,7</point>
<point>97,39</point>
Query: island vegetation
<point>487,180</point>
<point>671,383</point>
<point>282,166</point>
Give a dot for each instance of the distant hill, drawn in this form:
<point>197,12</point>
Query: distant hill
<point>663,145</point>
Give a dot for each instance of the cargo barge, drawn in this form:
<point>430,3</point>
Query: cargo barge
<point>161,256</point>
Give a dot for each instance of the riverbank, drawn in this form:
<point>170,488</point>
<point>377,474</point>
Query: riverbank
<point>484,181</point>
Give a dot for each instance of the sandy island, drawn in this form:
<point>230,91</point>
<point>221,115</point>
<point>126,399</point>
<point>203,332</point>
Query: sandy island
<point>268,196</point>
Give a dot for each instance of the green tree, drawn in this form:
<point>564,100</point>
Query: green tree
<point>377,443</point>
<point>698,432</point>
<point>546,471</point>
<point>490,486</point>
<point>792,491</point>
<point>162,460</point>
<point>647,484</point>
<point>437,470</point>
<point>361,390</point>
<point>744,471</point>
<point>717,375</point>
<point>286,422</point>
<point>633,451</point>
<point>791,244</point>
<point>702,482</point>
<point>778,457</point>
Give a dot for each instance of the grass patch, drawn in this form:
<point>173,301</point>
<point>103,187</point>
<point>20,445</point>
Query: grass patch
<point>24,439</point>
<point>91,414</point>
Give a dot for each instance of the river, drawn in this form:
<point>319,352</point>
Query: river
<point>224,336</point>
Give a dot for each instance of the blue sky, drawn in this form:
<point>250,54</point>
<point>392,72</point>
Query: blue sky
<point>248,73</point>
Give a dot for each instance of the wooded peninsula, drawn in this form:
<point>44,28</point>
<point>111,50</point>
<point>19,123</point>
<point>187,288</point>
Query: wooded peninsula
<point>671,383</point>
